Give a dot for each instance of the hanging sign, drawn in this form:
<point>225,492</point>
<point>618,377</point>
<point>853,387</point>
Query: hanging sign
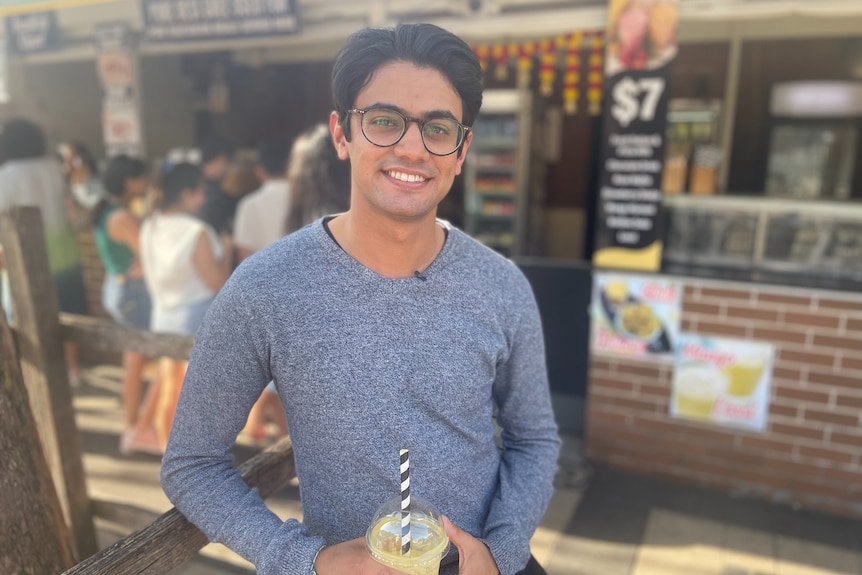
<point>722,381</point>
<point>30,33</point>
<point>179,20</point>
<point>641,47</point>
<point>115,65</point>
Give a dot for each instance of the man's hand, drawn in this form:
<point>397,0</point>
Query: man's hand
<point>474,556</point>
<point>349,558</point>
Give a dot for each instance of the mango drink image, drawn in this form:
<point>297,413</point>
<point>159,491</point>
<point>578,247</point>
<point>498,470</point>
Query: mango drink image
<point>744,375</point>
<point>697,389</point>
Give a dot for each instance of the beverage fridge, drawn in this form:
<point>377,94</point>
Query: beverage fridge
<point>499,172</point>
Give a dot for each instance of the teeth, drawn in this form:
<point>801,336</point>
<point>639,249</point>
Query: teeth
<point>405,177</point>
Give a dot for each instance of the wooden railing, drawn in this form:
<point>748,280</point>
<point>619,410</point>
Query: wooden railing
<point>39,333</point>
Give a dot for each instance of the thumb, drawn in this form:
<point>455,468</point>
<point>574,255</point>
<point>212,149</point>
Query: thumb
<point>455,533</point>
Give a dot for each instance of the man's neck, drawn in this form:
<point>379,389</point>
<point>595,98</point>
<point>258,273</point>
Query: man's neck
<point>390,248</point>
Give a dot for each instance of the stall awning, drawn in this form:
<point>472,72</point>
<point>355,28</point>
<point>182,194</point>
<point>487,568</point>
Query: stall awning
<point>14,7</point>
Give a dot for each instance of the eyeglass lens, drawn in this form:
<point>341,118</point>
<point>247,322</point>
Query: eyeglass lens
<point>385,127</point>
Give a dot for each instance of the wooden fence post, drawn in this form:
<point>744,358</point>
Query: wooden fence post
<point>43,367</point>
<point>33,535</point>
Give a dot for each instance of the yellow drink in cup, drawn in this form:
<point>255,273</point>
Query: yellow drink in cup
<point>744,375</point>
<point>697,388</point>
<point>428,543</point>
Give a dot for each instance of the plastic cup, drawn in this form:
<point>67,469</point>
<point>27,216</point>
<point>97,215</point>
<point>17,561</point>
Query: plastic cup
<point>429,541</point>
<point>697,390</point>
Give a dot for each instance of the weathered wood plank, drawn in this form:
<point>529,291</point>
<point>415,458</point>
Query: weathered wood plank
<point>43,367</point>
<point>171,540</point>
<point>99,333</point>
<point>33,535</point>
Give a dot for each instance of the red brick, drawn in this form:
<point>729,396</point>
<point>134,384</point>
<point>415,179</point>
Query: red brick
<point>659,390</point>
<point>851,401</point>
<point>784,299</point>
<point>802,394</point>
<point>797,431</point>
<point>851,363</point>
<point>778,335</point>
<point>601,364</point>
<point>779,481</point>
<point>689,291</point>
<point>710,328</point>
<point>607,418</point>
<point>752,313</point>
<point>853,440</point>
<point>811,320</point>
<point>831,417</point>
<point>734,457</point>
<point>837,342</point>
<point>749,442</point>
<point>785,373</point>
<point>847,476</point>
<point>688,325</point>
<point>785,410</point>
<point>648,371</point>
<point>631,403</point>
<point>841,305</point>
<point>701,308</point>
<point>852,382</point>
<point>825,454</point>
<point>854,325</point>
<point>826,359</point>
<point>724,293</point>
<point>611,383</point>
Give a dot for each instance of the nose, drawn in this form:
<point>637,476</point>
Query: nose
<point>411,145</point>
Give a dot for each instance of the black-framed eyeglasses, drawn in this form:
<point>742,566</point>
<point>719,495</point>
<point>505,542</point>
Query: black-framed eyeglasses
<point>385,127</point>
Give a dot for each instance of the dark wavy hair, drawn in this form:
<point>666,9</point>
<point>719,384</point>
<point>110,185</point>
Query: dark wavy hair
<point>178,178</point>
<point>21,140</point>
<point>119,169</point>
<point>425,45</point>
<point>319,180</point>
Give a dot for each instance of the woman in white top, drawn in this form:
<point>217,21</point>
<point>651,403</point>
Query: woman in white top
<point>185,264</point>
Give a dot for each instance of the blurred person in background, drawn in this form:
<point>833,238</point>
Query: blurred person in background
<point>185,264</point>
<point>29,177</point>
<point>81,173</point>
<point>260,215</point>
<point>219,207</point>
<point>124,292</point>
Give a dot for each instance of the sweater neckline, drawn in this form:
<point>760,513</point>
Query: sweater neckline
<point>334,249</point>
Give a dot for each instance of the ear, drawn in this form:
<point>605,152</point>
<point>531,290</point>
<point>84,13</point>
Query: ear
<point>338,137</point>
<point>463,154</point>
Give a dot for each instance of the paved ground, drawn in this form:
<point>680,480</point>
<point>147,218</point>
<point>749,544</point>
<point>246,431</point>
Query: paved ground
<point>600,522</point>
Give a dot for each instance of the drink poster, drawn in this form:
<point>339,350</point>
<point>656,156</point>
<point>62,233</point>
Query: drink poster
<point>635,316</point>
<point>722,381</point>
<point>641,48</point>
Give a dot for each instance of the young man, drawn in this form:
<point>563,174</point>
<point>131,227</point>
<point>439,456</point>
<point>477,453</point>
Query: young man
<point>383,329</point>
<point>260,215</point>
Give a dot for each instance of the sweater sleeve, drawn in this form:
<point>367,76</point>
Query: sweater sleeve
<point>228,369</point>
<point>530,445</point>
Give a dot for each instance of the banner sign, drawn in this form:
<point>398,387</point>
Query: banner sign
<point>635,316</point>
<point>30,33</point>
<point>722,381</point>
<point>641,47</point>
<point>178,20</point>
<point>115,65</point>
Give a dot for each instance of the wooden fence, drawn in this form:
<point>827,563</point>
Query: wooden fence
<point>39,333</point>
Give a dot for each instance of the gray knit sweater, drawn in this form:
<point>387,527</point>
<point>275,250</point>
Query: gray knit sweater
<point>365,366</point>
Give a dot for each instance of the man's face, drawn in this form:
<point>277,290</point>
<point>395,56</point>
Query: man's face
<point>380,177</point>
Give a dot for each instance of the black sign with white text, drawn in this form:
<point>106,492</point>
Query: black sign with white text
<point>30,33</point>
<point>179,20</point>
<point>641,51</point>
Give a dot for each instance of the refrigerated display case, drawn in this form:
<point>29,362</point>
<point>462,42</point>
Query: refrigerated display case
<point>497,173</point>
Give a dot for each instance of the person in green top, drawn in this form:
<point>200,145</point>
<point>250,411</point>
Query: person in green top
<point>124,293</point>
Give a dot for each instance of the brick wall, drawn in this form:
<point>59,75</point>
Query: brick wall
<point>811,453</point>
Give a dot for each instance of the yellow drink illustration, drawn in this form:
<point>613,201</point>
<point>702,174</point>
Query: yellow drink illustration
<point>697,388</point>
<point>429,543</point>
<point>744,375</point>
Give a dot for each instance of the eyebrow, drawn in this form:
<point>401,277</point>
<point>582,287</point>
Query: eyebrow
<point>433,114</point>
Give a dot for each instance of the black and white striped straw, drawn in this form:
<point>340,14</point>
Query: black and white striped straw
<point>405,502</point>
